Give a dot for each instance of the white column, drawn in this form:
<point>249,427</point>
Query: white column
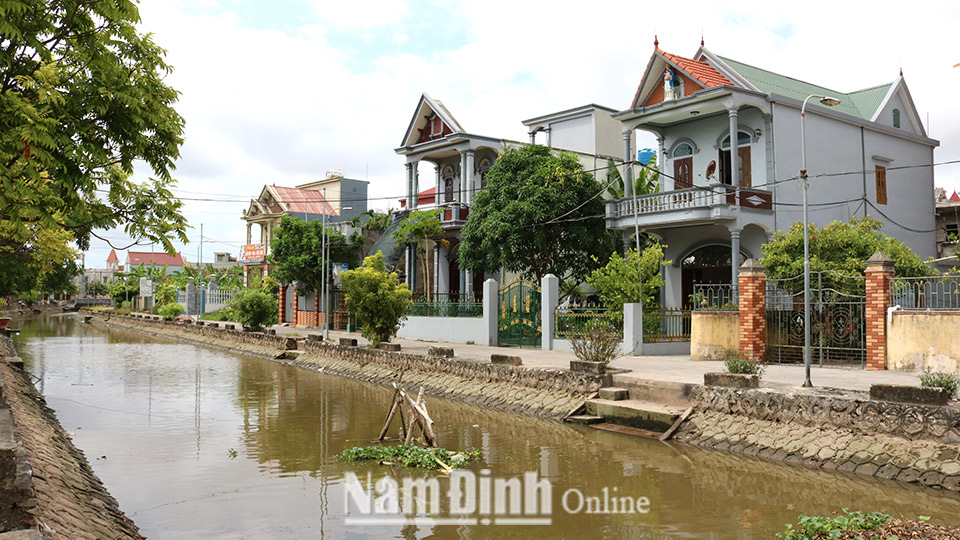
<point>549,138</point>
<point>662,164</point>
<point>439,198</point>
<point>470,179</point>
<point>436,271</point>
<point>443,271</point>
<point>632,329</point>
<point>416,185</point>
<point>461,196</point>
<point>533,137</point>
<point>734,178</point>
<point>409,166</point>
<point>491,315</point>
<point>549,299</point>
<point>249,232</point>
<point>627,169</point>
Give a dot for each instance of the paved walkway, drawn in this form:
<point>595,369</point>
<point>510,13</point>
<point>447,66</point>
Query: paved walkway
<point>658,368</point>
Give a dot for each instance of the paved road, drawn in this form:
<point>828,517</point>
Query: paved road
<point>659,368</point>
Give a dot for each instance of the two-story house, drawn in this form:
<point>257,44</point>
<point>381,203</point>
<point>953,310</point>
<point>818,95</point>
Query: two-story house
<point>461,161</point>
<point>723,197</point>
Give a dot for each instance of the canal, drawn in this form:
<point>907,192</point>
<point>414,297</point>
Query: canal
<point>198,443</point>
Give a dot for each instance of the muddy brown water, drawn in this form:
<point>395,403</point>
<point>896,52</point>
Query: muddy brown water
<point>199,443</point>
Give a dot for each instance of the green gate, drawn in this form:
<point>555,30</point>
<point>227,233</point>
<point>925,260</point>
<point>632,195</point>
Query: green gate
<point>520,315</point>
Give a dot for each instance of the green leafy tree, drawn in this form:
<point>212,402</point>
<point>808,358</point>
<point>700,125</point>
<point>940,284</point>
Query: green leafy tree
<point>83,98</point>
<point>647,179</point>
<point>58,279</point>
<point>96,288</point>
<point>539,213</point>
<point>255,308</point>
<point>28,261</point>
<point>418,228</point>
<point>297,253</point>
<point>630,279</point>
<point>840,247</point>
<point>377,298</point>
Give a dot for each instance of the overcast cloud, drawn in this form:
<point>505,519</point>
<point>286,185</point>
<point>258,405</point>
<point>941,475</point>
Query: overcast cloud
<point>279,94</point>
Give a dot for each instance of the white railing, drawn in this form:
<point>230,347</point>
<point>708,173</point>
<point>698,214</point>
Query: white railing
<point>681,199</point>
<point>218,299</point>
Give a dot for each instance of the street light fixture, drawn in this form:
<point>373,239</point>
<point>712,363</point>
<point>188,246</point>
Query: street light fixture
<point>829,102</point>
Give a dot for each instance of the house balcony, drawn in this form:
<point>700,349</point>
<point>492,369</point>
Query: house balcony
<point>686,207</point>
<point>453,214</point>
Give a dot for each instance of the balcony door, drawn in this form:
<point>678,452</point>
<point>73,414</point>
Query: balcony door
<point>743,160</point>
<point>683,166</point>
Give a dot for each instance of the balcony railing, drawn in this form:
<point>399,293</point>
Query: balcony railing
<point>691,198</point>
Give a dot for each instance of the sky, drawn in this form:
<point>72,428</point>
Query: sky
<point>279,92</point>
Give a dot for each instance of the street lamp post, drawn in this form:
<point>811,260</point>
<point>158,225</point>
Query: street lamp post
<point>829,102</point>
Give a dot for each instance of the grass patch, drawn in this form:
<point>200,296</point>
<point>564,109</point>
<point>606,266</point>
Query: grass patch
<point>416,457</point>
<point>940,379</point>
<point>820,527</point>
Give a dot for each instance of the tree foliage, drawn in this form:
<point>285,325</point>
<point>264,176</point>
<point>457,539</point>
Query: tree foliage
<point>255,308</point>
<point>377,298</point>
<point>647,179</point>
<point>82,98</point>
<point>539,213</point>
<point>630,279</point>
<point>418,228</point>
<point>297,252</point>
<point>40,259</point>
<point>840,247</point>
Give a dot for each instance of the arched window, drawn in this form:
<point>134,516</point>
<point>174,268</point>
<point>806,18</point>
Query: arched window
<point>448,175</point>
<point>683,150</point>
<point>896,118</point>
<point>743,139</point>
<point>483,169</point>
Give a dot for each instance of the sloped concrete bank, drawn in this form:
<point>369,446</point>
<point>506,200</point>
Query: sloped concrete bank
<point>541,392</point>
<point>914,444</point>
<point>47,483</point>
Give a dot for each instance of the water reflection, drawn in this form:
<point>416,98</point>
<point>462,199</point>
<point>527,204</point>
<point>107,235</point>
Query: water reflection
<point>158,420</point>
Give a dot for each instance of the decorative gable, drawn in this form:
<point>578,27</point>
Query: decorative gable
<point>669,76</point>
<point>430,122</point>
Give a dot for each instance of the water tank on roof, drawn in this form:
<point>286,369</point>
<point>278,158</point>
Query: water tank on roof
<point>643,156</point>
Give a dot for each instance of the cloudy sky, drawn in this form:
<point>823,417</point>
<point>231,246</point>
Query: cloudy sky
<point>278,92</point>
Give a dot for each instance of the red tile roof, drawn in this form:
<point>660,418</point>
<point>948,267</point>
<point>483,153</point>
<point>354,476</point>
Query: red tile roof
<point>137,258</point>
<point>955,197</point>
<point>424,197</point>
<point>308,201</point>
<point>700,71</point>
<point>113,256</point>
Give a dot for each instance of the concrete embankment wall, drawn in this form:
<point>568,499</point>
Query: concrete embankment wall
<point>541,392</point>
<point>52,480</point>
<point>904,442</point>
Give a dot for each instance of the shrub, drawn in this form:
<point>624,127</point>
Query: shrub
<point>815,527</point>
<point>411,456</point>
<point>598,342</point>
<point>377,298</point>
<point>171,311</point>
<point>940,379</point>
<point>743,364</point>
<point>255,308</point>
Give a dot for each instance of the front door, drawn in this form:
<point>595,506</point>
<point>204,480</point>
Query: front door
<point>683,173</point>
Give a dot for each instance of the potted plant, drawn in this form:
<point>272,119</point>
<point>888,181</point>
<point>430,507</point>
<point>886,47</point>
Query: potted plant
<point>595,345</point>
<point>741,372</point>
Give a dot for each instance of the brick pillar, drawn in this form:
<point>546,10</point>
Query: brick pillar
<point>283,302</point>
<point>879,273</point>
<point>753,310</point>
<point>296,308</point>
<point>316,308</point>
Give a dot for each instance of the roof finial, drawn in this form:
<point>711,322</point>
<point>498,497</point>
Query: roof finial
<point>656,42</point>
<point>701,37</point>
<point>901,71</point>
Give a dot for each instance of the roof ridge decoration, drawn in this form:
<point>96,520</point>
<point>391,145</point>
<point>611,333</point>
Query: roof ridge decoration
<point>445,122</point>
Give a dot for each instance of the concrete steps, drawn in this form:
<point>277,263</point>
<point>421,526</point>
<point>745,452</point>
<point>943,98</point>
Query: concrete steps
<point>670,393</point>
<point>634,413</point>
<point>584,419</point>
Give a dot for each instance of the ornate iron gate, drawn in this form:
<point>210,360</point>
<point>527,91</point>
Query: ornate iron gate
<point>837,320</point>
<point>520,315</point>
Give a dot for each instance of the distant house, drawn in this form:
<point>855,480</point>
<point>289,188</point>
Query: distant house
<point>174,263</point>
<point>948,227</point>
<point>99,275</point>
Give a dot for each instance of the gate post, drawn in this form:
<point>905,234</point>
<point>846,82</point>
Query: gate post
<point>753,310</point>
<point>879,273</point>
<point>491,315</point>
<point>283,302</point>
<point>549,299</point>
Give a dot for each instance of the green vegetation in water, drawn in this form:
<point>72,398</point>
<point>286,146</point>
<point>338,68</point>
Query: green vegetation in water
<point>817,527</point>
<point>416,457</point>
<point>232,453</point>
<point>940,379</point>
<point>745,365</point>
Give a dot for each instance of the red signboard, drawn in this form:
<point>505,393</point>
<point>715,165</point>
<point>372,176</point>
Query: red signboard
<point>253,253</point>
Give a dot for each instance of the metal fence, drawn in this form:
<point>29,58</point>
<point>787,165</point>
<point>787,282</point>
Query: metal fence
<point>579,323</point>
<point>714,297</point>
<point>447,305</point>
<point>940,293</point>
<point>665,325</point>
